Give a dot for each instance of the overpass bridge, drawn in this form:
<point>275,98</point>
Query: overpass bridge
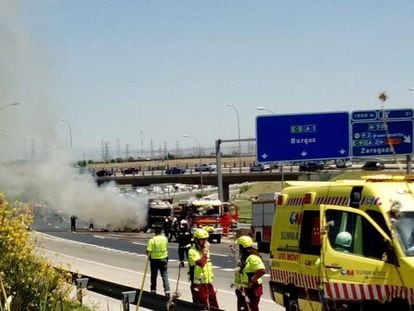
<point>209,178</point>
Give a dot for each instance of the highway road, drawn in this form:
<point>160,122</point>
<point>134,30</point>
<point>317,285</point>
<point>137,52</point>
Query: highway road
<point>120,257</point>
<point>246,170</point>
<point>192,171</point>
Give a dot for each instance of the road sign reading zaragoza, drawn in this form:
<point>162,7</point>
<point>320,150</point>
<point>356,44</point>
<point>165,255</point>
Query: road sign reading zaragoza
<point>302,137</point>
<point>379,133</point>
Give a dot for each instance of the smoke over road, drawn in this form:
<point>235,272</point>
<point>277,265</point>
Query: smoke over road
<point>34,165</point>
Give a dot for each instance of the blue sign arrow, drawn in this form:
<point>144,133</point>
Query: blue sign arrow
<point>302,137</point>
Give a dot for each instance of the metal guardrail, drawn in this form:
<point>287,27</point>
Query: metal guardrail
<point>148,300</point>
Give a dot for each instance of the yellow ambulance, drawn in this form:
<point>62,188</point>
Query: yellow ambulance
<point>344,245</point>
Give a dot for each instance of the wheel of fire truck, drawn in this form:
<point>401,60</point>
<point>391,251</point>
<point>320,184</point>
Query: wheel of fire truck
<point>290,298</point>
<point>259,241</point>
<point>216,238</point>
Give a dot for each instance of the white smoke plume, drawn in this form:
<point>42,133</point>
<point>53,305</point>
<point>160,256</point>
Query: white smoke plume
<point>33,164</point>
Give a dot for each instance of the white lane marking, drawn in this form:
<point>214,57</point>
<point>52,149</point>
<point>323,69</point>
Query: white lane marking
<point>219,255</point>
<point>138,243</point>
<point>131,271</point>
<point>57,227</point>
<point>126,252</point>
<point>51,237</point>
<point>123,269</point>
<point>49,224</point>
<point>99,237</point>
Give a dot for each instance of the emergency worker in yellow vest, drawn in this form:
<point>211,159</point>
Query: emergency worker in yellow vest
<point>157,252</point>
<point>201,272</point>
<point>248,279</point>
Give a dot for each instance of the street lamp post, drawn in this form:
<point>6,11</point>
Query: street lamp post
<point>264,109</point>
<point>238,132</point>
<point>8,105</point>
<point>199,157</point>
<point>409,156</point>
<point>70,130</point>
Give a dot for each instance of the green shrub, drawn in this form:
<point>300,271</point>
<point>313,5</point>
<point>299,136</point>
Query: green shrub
<point>244,188</point>
<point>31,281</point>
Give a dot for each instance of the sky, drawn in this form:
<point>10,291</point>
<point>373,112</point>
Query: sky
<point>132,72</point>
<point>36,162</point>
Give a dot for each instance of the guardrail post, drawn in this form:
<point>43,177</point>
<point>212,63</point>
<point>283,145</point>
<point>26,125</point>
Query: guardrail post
<point>81,283</point>
<point>128,298</point>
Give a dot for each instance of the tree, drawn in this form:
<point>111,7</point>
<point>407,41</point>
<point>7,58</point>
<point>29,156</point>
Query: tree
<point>30,281</point>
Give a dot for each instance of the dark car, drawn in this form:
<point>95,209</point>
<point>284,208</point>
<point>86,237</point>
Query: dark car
<point>373,166</point>
<point>175,171</point>
<point>130,170</point>
<point>311,166</point>
<point>103,173</point>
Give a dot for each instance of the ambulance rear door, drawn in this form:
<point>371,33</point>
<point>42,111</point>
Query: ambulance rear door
<point>357,260</point>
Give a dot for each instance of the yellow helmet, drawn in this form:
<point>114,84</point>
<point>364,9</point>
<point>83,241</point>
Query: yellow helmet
<point>245,241</point>
<point>209,229</point>
<point>200,234</point>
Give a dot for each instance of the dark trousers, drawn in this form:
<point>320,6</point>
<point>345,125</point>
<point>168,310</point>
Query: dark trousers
<point>159,265</point>
<point>204,295</point>
<point>183,251</point>
<point>248,298</point>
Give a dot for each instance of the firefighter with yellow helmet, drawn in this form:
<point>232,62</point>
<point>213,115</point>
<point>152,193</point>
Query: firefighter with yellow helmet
<point>201,271</point>
<point>249,274</point>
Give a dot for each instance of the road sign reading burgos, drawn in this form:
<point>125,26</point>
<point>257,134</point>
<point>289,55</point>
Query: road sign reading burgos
<point>302,137</point>
<point>379,133</point>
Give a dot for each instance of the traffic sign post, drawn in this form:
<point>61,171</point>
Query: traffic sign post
<point>302,137</point>
<point>381,133</point>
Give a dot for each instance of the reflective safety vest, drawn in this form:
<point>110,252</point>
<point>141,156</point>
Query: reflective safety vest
<point>199,275</point>
<point>158,247</point>
<point>253,263</point>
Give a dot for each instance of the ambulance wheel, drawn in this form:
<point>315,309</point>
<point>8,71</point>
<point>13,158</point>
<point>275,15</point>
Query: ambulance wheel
<point>399,304</point>
<point>290,299</point>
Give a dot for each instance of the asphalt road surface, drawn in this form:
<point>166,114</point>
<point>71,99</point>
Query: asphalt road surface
<point>121,256</point>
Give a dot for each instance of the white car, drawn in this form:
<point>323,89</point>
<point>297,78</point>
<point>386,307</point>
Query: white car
<point>260,167</point>
<point>343,163</point>
<point>207,167</point>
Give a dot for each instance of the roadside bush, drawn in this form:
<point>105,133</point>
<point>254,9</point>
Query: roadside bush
<point>31,281</point>
<point>244,188</point>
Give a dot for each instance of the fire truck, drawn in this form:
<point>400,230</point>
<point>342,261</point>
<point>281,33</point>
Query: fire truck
<point>208,214</point>
<point>263,210</point>
<point>158,211</point>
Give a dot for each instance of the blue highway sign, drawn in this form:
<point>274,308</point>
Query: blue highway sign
<point>382,135</point>
<point>302,137</point>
